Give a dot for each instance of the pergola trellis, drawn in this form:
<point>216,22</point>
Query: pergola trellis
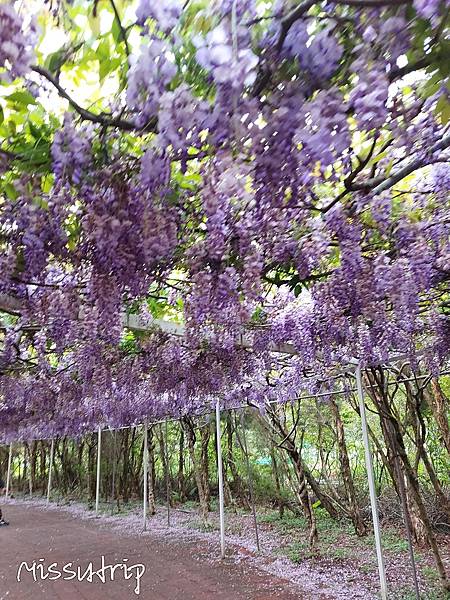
<point>135,323</point>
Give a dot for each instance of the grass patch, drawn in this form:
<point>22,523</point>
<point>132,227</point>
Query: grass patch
<point>390,540</point>
<point>409,594</point>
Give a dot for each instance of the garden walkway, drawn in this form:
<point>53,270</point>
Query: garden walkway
<point>173,571</point>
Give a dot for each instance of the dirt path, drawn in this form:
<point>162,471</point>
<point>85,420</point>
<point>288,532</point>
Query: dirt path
<point>173,572</point>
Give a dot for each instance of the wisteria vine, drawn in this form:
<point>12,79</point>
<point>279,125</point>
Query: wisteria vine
<point>275,172</point>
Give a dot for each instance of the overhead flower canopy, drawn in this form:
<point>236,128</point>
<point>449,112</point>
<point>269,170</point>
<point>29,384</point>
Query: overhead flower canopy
<point>273,170</point>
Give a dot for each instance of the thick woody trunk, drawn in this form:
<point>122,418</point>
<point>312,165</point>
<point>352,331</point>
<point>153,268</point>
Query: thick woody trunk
<point>238,484</point>
<point>202,496</point>
<point>277,482</point>
<point>304,496</point>
<point>163,450</point>
<point>392,433</point>
<point>80,453</point>
<point>42,466</point>
<point>440,406</point>
<point>301,489</point>
<point>321,495</point>
<point>354,510</point>
<point>125,475</point>
<point>420,432</point>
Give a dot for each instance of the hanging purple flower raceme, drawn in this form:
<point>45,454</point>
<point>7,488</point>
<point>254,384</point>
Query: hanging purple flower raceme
<point>324,133</point>
<point>318,55</point>
<point>155,171</point>
<point>429,9</point>
<point>166,14</point>
<point>16,45</point>
<point>227,64</point>
<point>369,96</point>
<point>150,74</point>
<point>71,151</point>
<point>181,120</point>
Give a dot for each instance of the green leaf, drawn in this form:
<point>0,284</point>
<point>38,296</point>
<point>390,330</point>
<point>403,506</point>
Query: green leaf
<point>10,191</point>
<point>2,115</point>
<point>116,31</point>
<point>94,24</point>
<point>22,97</point>
<point>297,290</point>
<point>55,61</point>
<point>443,109</point>
<point>35,131</point>
<point>103,50</point>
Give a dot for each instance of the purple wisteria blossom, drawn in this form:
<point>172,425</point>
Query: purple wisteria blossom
<point>369,97</point>
<point>166,14</point>
<point>428,8</point>
<point>148,78</point>
<point>15,44</point>
<point>71,151</point>
<point>215,53</point>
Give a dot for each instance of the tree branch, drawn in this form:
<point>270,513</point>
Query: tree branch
<point>418,163</point>
<point>87,115</point>
<point>422,63</point>
<point>123,33</point>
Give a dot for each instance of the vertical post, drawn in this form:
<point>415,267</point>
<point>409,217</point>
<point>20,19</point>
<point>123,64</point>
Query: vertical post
<point>113,482</point>
<point>407,519</point>
<point>145,504</point>
<point>220,476</point>
<point>99,455</point>
<point>250,481</point>
<point>50,469</point>
<point>371,481</point>
<point>30,474</point>
<point>8,476</point>
<point>167,474</point>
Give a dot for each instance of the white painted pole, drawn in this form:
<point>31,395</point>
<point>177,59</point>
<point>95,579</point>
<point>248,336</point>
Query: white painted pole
<point>30,481</point>
<point>8,476</point>
<point>371,480</point>
<point>145,475</point>
<point>249,479</point>
<point>220,475</point>
<point>99,455</point>
<point>50,469</point>
<point>167,473</point>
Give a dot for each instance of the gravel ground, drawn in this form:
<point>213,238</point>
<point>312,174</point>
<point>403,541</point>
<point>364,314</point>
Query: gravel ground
<point>353,577</point>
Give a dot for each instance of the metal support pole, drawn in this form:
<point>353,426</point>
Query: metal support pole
<point>407,519</point>
<point>250,480</point>
<point>220,476</point>
<point>113,482</point>
<point>99,455</point>
<point>8,476</point>
<point>145,504</point>
<point>50,469</point>
<point>30,480</point>
<point>371,481</point>
<point>167,474</point>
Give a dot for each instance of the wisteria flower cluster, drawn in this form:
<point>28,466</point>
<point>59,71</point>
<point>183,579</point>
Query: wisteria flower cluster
<point>266,176</point>
<point>15,45</point>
